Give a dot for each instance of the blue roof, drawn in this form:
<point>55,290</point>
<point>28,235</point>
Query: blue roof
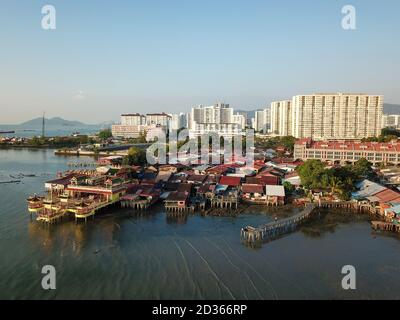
<point>220,187</point>
<point>395,209</point>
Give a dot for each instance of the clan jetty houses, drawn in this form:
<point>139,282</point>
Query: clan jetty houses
<point>180,188</point>
<point>378,199</point>
<point>82,192</point>
<point>348,151</point>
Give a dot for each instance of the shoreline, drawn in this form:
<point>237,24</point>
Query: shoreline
<point>60,152</point>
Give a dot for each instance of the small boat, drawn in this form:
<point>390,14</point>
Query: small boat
<point>10,181</point>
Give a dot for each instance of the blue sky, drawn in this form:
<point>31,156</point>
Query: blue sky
<point>110,57</point>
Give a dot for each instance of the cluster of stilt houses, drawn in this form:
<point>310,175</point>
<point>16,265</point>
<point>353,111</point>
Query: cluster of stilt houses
<point>80,194</point>
<point>183,189</point>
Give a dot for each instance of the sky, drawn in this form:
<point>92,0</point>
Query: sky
<point>110,57</point>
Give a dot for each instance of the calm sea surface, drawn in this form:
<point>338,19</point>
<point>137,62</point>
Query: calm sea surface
<point>121,255</point>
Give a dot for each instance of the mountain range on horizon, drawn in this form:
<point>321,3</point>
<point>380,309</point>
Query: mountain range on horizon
<point>57,122</point>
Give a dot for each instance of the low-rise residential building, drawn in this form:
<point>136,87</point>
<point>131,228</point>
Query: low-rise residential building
<point>275,195</point>
<point>348,151</point>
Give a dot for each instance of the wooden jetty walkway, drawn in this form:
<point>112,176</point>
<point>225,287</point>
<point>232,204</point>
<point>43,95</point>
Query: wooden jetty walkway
<point>251,235</point>
<point>276,228</point>
<point>385,226</point>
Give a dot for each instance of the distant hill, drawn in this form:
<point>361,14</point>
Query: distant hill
<point>250,113</point>
<point>54,127</point>
<point>389,108</point>
<point>54,122</point>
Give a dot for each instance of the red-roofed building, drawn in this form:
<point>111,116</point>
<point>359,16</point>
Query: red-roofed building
<point>252,189</point>
<point>222,169</point>
<point>348,151</point>
<point>230,181</point>
<point>270,180</point>
<point>388,195</point>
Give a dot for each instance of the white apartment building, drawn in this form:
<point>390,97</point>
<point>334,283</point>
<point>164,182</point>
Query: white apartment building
<point>132,119</point>
<point>337,116</point>
<point>179,121</point>
<point>127,131</point>
<point>239,119</point>
<point>281,118</point>
<point>135,124</point>
<point>213,119</point>
<point>158,119</point>
<point>391,121</point>
<point>328,116</point>
<point>262,120</point>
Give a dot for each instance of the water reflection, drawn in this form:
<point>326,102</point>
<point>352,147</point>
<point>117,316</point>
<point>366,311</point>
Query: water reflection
<point>329,221</point>
<point>179,219</point>
<point>121,251</point>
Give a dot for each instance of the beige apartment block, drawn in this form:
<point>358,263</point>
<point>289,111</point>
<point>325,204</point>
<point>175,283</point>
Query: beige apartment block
<point>281,118</point>
<point>328,116</point>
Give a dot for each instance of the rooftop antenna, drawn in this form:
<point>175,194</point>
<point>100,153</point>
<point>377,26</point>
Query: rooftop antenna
<point>43,124</point>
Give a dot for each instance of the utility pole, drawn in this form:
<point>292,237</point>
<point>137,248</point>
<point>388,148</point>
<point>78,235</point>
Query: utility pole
<point>43,125</point>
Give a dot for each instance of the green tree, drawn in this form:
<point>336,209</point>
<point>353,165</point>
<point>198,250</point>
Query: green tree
<point>336,185</point>
<point>363,169</point>
<point>289,188</point>
<point>35,141</point>
<point>105,134</point>
<point>136,156</point>
<point>310,173</point>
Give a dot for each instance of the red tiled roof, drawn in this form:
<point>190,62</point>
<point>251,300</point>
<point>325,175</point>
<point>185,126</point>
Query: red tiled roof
<point>252,188</point>
<point>388,195</point>
<point>178,196</point>
<point>252,180</point>
<point>284,161</point>
<point>66,180</point>
<point>352,145</point>
<point>269,180</point>
<point>197,178</point>
<point>185,187</point>
<point>230,181</point>
<point>291,175</point>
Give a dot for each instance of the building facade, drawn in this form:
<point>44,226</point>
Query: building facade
<point>391,121</point>
<point>348,151</point>
<point>127,131</point>
<point>337,116</point>
<point>133,119</point>
<point>134,125</point>
<point>179,121</point>
<point>328,116</point>
<point>262,120</point>
<point>159,119</point>
<point>239,119</point>
<point>218,119</point>
<point>281,118</point>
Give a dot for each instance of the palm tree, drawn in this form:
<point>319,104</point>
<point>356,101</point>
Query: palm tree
<point>336,185</point>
